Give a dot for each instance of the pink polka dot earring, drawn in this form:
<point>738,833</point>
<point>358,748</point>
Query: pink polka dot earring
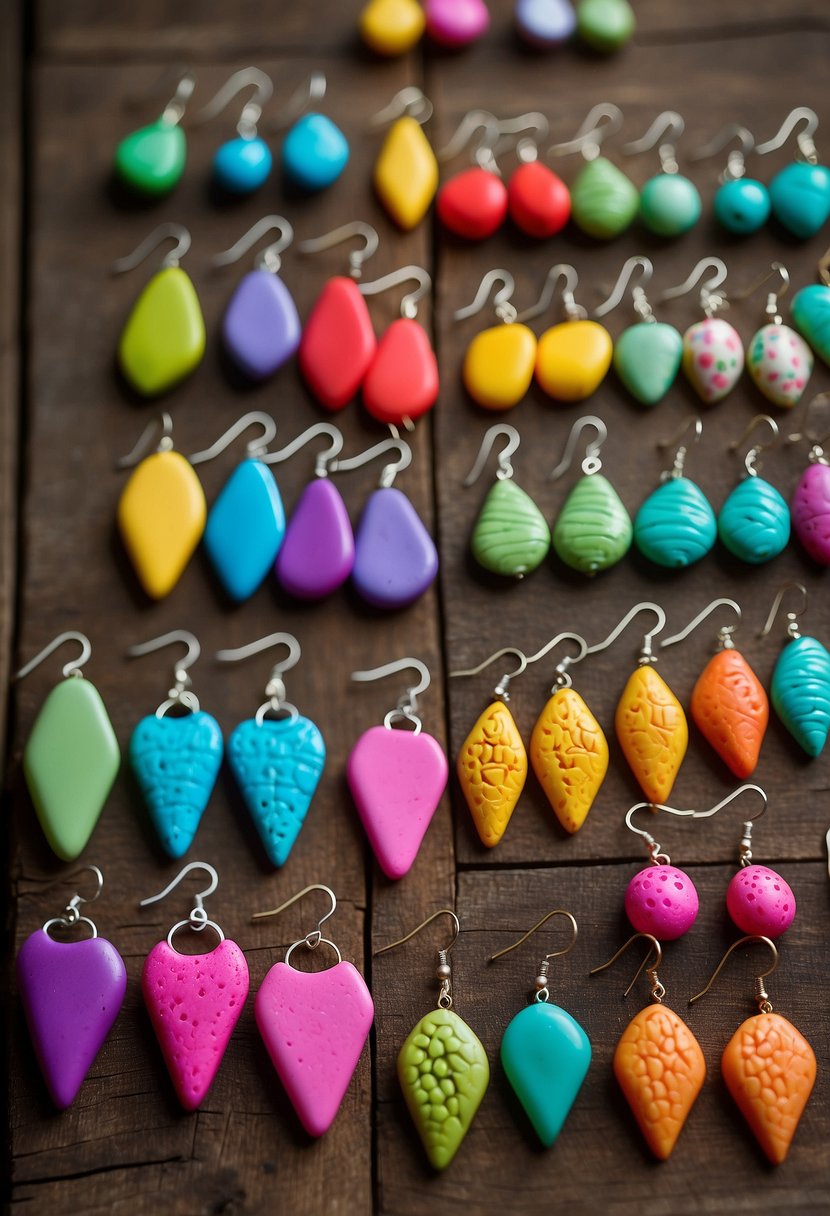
<point>778,359</point>
<point>660,900</point>
<point>713,354</point>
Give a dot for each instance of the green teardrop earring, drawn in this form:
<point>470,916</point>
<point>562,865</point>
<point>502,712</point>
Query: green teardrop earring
<point>669,202</point>
<point>593,530</point>
<point>150,161</point>
<point>603,200</point>
<point>648,354</point>
<point>511,536</point>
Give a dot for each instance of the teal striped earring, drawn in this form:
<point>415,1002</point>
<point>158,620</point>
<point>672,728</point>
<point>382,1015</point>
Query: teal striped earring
<point>675,527</point>
<point>800,689</point>
<point>754,522</point>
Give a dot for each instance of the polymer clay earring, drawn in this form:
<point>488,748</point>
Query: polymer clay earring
<point>800,192</point>
<point>163,340</point>
<point>713,354</point>
<point>754,522</point>
<point>397,777</point>
<point>405,175</point>
<point>338,341</point>
<point>261,327</point>
<point>660,900</point>
<point>492,762</point>
<point>243,164</point>
<point>656,1038</point>
<point>454,25</point>
<point>71,992</point>
<point>812,493</point>
<point>605,25</point>
<point>729,705</point>
<point>317,553</point>
<point>510,536</point>
<point>473,203</point>
<point>314,1024</point>
<point>499,361</point>
<point>800,688</point>
<point>276,757</point>
<point>539,202</point>
<point>811,310</point>
<point>401,382</point>
<point>648,354</point>
<point>395,559</point>
<point>593,529</point>
<point>604,201</point>
<point>544,1050</point>
<point>741,204</point>
<point>572,357</point>
<point>391,27</point>
<point>768,1066</point>
<point>176,758</point>
<point>161,511</point>
<point>544,24</point>
<point>676,526</point>
<point>441,1055</point>
<point>315,151</point>
<point>150,161</point>
<point>669,202</point>
<point>777,358</point>
<point>71,757</point>
<point>194,1000</point>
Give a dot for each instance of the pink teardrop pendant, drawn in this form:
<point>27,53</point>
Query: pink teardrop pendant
<point>811,511</point>
<point>396,778</point>
<point>337,344</point>
<point>402,381</point>
<point>317,553</point>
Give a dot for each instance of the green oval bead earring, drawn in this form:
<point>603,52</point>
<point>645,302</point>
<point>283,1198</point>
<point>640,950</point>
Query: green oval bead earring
<point>151,160</point>
<point>669,202</point>
<point>603,200</point>
<point>648,354</point>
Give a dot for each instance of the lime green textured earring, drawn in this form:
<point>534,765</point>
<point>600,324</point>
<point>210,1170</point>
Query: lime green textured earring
<point>71,757</point>
<point>669,202</point>
<point>604,201</point>
<point>647,355</point>
<point>151,160</point>
<point>593,531</point>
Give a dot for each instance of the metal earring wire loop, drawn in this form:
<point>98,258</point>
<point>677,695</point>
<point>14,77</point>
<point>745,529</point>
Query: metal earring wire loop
<point>269,257</point>
<point>562,270</point>
<point>251,111</point>
<point>724,633</point>
<point>745,847</point>
<point>345,232</point>
<point>323,459</point>
<point>694,424</point>
<point>817,441</point>
<point>591,463</point>
<point>806,146</point>
<point>164,232</point>
<point>657,989</point>
<point>73,667</point>
<point>407,707</point>
<point>173,112</point>
<point>443,971</point>
<point>198,918</point>
<point>180,694</point>
<point>71,915</point>
<point>710,298</point>
<point>142,445</point>
<point>646,649</point>
<point>751,458</point>
<point>554,953</point>
<point>527,149</point>
<point>505,469</point>
<point>732,130</point>
<point>562,677</point>
<point>504,310</point>
<point>309,91</point>
<point>592,132</point>
<point>389,471</point>
<point>275,688</point>
<point>315,938</point>
<point>792,615</point>
<point>483,154</point>
<point>669,124</point>
<point>502,689</point>
<point>646,268</point>
<point>763,1001</point>
<point>256,447</point>
<point>408,102</point>
<point>409,302</point>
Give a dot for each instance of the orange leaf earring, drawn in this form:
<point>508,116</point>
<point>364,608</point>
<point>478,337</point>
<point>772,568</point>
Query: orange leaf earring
<point>768,1066</point>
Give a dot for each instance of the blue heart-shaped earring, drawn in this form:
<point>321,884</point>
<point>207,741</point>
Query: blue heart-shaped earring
<point>315,151</point>
<point>176,760</point>
<point>741,204</point>
<point>800,192</point>
<point>243,164</point>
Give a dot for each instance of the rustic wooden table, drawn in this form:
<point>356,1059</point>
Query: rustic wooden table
<point>86,77</point>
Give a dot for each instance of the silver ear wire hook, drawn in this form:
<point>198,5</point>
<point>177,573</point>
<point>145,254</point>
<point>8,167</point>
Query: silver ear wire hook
<point>256,447</point>
<point>71,914</point>
<point>504,310</point>
<point>198,918</point>
<point>173,112</point>
<point>312,89</point>
<point>410,103</point>
<point>654,849</point>
<point>736,162</point>
<point>751,459</point>
<point>275,688</point>
<point>657,989</point>
<point>725,632</point>
<point>409,303</point>
<point>574,311</point>
<point>389,471</point>
<point>315,938</point>
<point>269,257</point>
<point>407,707</point>
<point>165,441</point>
<point>710,298</point>
<point>817,442</point>
<point>541,983</point>
<point>745,848</point>
<point>641,304</point>
<point>646,652</point>
<point>443,971</point>
<point>527,149</point>
<point>761,995</point>
<point>323,459</point>
<point>179,694</point>
<point>73,667</point>
<point>251,111</point>
<point>669,124</point>
<point>692,423</point>
<point>164,232</point>
<point>505,469</point>
<point>771,308</point>
<point>502,689</point>
<point>804,139</point>
<point>592,132</point>
<point>591,463</point>
<point>345,232</point>
<point>792,616</point>
<point>562,677</point>
<point>483,154</point>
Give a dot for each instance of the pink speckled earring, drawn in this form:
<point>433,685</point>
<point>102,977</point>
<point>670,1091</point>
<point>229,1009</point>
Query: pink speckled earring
<point>314,1024</point>
<point>660,900</point>
<point>194,1000</point>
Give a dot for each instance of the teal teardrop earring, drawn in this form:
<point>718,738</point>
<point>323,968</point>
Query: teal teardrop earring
<point>800,689</point>
<point>669,202</point>
<point>675,527</point>
<point>604,201</point>
<point>593,530</point>
<point>741,204</point>
<point>647,355</point>
<point>315,151</point>
<point>243,164</point>
<point>811,310</point>
<point>151,160</point>
<point>544,1050</point>
<point>713,354</point>
<point>754,522</point>
<point>163,340</point>
<point>800,192</point>
<point>511,536</point>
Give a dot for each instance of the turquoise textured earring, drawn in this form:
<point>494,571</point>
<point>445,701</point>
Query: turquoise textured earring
<point>800,688</point>
<point>676,526</point>
<point>754,522</point>
<point>604,201</point>
<point>150,161</point>
<point>800,192</point>
<point>669,202</point>
<point>176,759</point>
<point>243,164</point>
<point>276,757</point>
<point>544,1050</point>
<point>713,354</point>
<point>647,355</point>
<point>593,529</point>
<point>315,151</point>
<point>741,204</point>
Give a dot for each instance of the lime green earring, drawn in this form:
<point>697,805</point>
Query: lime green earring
<point>151,160</point>
<point>604,201</point>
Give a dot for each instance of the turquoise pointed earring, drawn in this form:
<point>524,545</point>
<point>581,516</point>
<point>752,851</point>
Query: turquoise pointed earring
<point>151,160</point>
<point>676,526</point>
<point>800,688</point>
<point>243,164</point>
<point>669,202</point>
<point>71,756</point>
<point>811,310</point>
<point>647,355</point>
<point>276,757</point>
<point>754,522</point>
<point>713,354</point>
<point>163,340</point>
<point>176,759</point>
<point>800,192</point>
<point>315,151</point>
<point>593,529</point>
<point>544,1050</point>
<point>604,201</point>
<point>777,358</point>
<point>741,204</point>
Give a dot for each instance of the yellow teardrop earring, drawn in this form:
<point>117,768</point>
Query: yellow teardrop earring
<point>498,363</point>
<point>405,175</point>
<point>572,357</point>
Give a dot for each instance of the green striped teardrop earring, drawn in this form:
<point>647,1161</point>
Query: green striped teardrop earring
<point>604,201</point>
<point>593,530</point>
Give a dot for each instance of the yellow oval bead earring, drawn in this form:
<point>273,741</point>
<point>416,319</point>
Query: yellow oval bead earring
<point>498,363</point>
<point>572,357</point>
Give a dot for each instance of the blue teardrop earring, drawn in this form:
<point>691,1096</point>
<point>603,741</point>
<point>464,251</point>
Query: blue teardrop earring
<point>243,164</point>
<point>176,760</point>
<point>741,204</point>
<point>276,757</point>
<point>669,202</point>
<point>675,527</point>
<point>800,192</point>
<point>315,151</point>
<point>754,522</point>
<point>261,327</point>
<point>800,688</point>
